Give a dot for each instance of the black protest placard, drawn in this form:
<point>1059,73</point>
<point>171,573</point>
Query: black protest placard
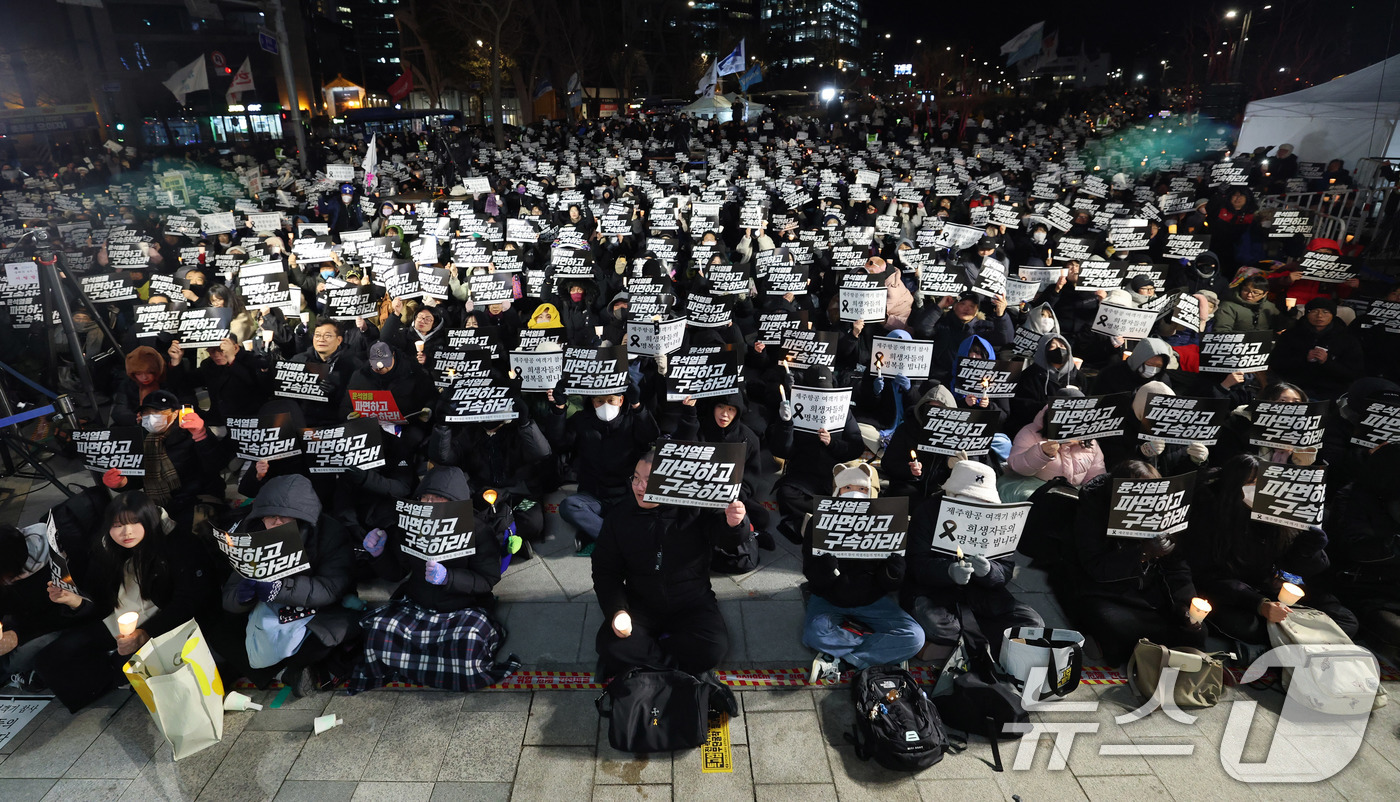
<point>988,378</point>
<point>266,555</point>
<point>153,320</point>
<point>265,285</point>
<point>1148,508</point>
<point>356,443</point>
<point>1182,421</point>
<point>570,263</point>
<point>595,371</point>
<point>892,356</point>
<point>1091,418</point>
<point>1290,223</point>
<point>937,280</point>
<point>480,396</point>
<point>166,286</point>
<point>1329,268</point>
<point>60,574</point>
<point>108,288</point>
<point>949,431</point>
<point>301,380</point>
<point>807,348</point>
<point>433,282</point>
<point>448,365</point>
<point>780,274</point>
<point>863,304</point>
<point>204,328</point>
<point>1080,249</point>
<point>351,302</point>
<point>708,311</point>
<point>538,371</point>
<point>816,408</point>
<point>727,279</point>
<point>491,288</point>
<point>120,447</point>
<point>399,280</point>
<point>991,279</point>
<point>1287,425</point>
<point>859,529</point>
<point>1125,322</point>
<point>696,474</point>
<point>485,340</point>
<point>1185,310</point>
<point>1099,276</point>
<point>1385,314</point>
<point>1186,246</point>
<point>1236,352</point>
<point>978,529</point>
<point>1379,423</point>
<point>1289,495</point>
<point>652,337</point>
<point>705,371</point>
<point>774,325</point>
<point>437,531</point>
<point>1127,235</point>
<point>266,437</point>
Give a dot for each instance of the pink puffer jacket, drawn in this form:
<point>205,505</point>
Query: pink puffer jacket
<point>1076,462</point>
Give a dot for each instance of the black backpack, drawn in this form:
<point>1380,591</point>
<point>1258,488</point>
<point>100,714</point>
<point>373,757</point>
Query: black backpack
<point>896,724</point>
<point>983,700</point>
<point>661,709</point>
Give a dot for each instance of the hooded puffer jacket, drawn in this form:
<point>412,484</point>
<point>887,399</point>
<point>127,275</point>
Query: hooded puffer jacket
<point>1077,462</point>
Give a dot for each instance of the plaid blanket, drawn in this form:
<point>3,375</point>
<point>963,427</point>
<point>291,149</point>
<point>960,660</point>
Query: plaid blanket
<point>407,643</point>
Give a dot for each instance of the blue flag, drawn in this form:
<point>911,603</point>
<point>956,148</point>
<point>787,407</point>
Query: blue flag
<point>544,88</point>
<point>750,77</point>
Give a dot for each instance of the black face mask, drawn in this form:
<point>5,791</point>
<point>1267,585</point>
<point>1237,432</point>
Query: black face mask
<point>1055,356</point>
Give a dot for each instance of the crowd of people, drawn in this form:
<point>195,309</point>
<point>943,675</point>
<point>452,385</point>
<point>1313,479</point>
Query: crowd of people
<point>602,227</point>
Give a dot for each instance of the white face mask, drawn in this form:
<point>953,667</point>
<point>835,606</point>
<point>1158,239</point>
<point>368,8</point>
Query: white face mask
<point>606,412</point>
<point>155,424</point>
<point>855,494</point>
<point>1248,491</point>
<point>1148,371</point>
<point>347,198</point>
<point>1039,237</point>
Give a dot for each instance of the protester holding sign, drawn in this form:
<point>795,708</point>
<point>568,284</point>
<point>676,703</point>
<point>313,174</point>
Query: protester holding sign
<point>1147,362</point>
<point>1052,369</point>
<point>809,456</point>
<point>1318,353</point>
<point>1239,564</point>
<point>328,349</point>
<point>436,631</point>
<point>719,420</point>
<point>137,561</point>
<point>965,318</point>
<point>1366,567</point>
<point>146,372</point>
<point>852,618</point>
<point>32,620</point>
<point>287,626</point>
<point>1034,455</point>
<point>1248,308</point>
<point>651,573</point>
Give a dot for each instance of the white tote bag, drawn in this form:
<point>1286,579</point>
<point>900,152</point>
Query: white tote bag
<point>175,675</point>
<point>1059,651</point>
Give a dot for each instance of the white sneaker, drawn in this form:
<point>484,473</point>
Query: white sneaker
<point>825,668</point>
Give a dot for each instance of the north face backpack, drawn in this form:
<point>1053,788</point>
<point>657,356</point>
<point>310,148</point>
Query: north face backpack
<point>896,724</point>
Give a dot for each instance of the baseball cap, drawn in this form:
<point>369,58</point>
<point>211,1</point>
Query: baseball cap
<point>381,356</point>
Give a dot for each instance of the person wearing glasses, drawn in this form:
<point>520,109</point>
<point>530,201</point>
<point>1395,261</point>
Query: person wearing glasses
<point>328,349</point>
<point>1248,308</point>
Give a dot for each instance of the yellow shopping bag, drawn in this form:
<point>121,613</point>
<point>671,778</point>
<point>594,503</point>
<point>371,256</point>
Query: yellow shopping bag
<point>175,675</point>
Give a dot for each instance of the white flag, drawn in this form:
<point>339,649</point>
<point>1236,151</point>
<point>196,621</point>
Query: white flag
<point>242,81</point>
<point>734,62</point>
<point>1023,38</point>
<point>706,87</point>
<point>371,163</point>
<point>190,78</point>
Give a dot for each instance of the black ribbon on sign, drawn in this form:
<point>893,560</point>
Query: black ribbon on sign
<point>636,340</point>
<point>949,527</point>
<point>1103,320</point>
<point>845,306</point>
<point>797,410</point>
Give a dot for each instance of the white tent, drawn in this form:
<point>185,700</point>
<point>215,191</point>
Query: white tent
<point>715,107</point>
<point>1349,118</point>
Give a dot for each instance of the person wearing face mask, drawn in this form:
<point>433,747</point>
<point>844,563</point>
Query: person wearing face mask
<point>651,574</point>
<point>576,313</point>
<point>1169,459</point>
<point>255,638</point>
<point>1203,273</point>
<point>1365,551</point>
<point>181,458</point>
<point>1318,353</point>
<point>436,603</point>
<point>1052,369</point>
<point>1147,362</point>
<point>1238,563</point>
<point>137,562</point>
<point>601,443</point>
<point>342,211</point>
<point>852,617</point>
<point>942,589</point>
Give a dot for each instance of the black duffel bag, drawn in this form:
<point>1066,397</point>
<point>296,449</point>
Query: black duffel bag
<point>661,709</point>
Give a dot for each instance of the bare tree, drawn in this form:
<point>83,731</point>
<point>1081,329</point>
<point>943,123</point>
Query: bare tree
<point>491,21</point>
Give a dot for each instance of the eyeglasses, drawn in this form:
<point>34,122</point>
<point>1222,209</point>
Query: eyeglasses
<point>323,336</point>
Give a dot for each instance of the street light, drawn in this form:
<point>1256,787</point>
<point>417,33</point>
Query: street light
<point>1231,14</point>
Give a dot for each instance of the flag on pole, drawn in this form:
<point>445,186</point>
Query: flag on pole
<point>400,89</point>
<point>734,62</point>
<point>190,78</point>
<point>1027,43</point>
<point>751,76</point>
<point>371,163</point>
<point>543,89</point>
<point>706,87</point>
<point>242,82</point>
<point>575,91</point>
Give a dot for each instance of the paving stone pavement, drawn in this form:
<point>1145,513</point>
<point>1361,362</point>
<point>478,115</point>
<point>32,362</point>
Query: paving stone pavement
<point>787,743</point>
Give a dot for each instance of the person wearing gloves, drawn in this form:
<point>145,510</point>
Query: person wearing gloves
<point>965,319</point>
<point>809,457</point>
<point>602,443</point>
<point>1051,370</point>
<point>893,395</point>
<point>436,631</point>
<point>941,588</point>
<point>1129,588</point>
<point>181,458</point>
<point>408,382</point>
<point>1147,362</point>
<point>851,617</point>
<point>1238,564</point>
<point>651,574</point>
<point>288,625</point>
<point>1135,444</point>
<point>909,471</point>
<point>1034,456</point>
<point>1318,353</point>
<point>136,562</point>
<point>1234,434</point>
